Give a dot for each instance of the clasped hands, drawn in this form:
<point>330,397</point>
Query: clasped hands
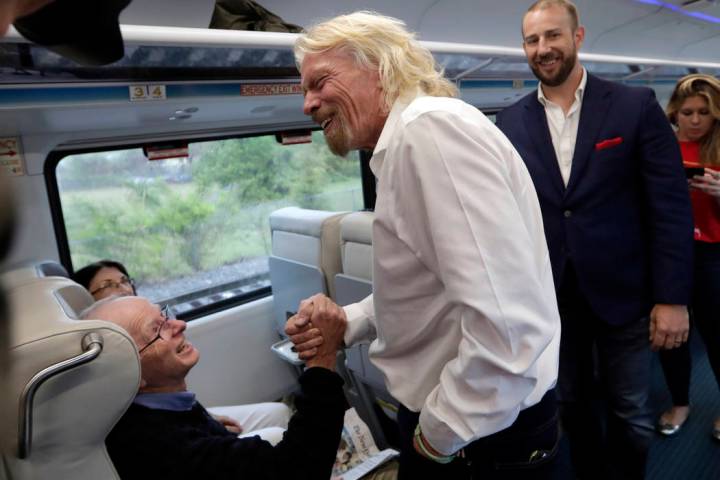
<point>317,331</point>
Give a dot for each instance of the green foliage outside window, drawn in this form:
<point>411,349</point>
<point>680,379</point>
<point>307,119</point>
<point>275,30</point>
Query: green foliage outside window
<point>174,218</point>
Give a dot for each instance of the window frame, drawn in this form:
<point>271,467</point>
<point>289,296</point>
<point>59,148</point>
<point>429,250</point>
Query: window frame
<point>56,155</point>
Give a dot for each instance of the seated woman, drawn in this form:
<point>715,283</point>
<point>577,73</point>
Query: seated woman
<point>269,420</point>
<point>104,279</point>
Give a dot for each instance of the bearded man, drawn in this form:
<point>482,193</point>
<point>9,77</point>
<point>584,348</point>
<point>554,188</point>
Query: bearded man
<point>616,211</point>
<point>463,320</point>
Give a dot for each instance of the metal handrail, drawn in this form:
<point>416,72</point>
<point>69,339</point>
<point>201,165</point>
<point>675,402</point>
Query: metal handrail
<point>92,345</point>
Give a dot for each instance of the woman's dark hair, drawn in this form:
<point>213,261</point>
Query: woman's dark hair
<point>85,275</point>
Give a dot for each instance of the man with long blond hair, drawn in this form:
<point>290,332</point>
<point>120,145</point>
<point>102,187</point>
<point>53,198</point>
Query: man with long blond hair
<point>617,220</point>
<point>462,319</point>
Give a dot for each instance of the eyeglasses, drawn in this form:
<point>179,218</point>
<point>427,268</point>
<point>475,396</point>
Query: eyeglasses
<point>163,332</point>
<point>124,282</point>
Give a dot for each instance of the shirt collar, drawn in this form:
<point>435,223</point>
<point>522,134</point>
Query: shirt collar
<point>174,401</point>
<point>578,93</point>
<point>389,129</point>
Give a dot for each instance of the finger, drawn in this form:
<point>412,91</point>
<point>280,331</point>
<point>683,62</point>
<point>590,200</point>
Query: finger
<point>686,335</point>
<point>308,354</point>
<point>306,307</point>
<point>233,424</point>
<point>319,313</point>
<point>657,342</point>
<point>303,337</point>
<point>652,329</point>
<point>296,324</point>
<point>309,345</point>
<point>669,342</point>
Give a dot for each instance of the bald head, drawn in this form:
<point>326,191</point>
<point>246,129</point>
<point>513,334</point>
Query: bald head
<point>165,354</point>
<point>125,312</point>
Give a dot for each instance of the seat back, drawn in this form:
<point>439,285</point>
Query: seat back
<point>305,257</point>
<point>352,285</point>
<point>70,382</point>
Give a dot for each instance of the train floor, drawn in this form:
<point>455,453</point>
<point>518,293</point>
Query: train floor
<point>692,454</point>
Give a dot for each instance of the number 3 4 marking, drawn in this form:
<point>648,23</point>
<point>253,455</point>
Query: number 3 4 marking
<point>143,93</point>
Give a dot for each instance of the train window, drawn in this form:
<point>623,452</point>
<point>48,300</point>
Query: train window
<point>194,231</point>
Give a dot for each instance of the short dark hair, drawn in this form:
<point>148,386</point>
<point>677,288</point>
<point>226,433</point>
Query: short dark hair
<point>85,275</point>
<point>566,4</point>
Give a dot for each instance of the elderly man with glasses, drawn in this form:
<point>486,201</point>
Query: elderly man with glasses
<point>166,433</point>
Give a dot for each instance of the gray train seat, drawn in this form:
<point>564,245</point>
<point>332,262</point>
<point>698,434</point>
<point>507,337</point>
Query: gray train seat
<point>26,271</point>
<point>351,285</point>
<point>70,381</point>
<point>305,257</point>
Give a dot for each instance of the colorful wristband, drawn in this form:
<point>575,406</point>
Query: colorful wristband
<point>426,450</point>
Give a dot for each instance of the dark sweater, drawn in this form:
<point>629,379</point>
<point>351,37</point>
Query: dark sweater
<point>158,444</point>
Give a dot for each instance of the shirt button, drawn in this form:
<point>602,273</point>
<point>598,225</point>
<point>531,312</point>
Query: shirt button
<point>567,213</point>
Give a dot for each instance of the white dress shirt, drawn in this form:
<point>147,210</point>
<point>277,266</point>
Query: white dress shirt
<point>564,128</point>
<point>463,314</point>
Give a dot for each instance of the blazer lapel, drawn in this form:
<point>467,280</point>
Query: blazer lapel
<point>595,105</point>
<point>537,126</point>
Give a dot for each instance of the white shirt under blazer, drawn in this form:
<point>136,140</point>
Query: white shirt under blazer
<point>463,316</point>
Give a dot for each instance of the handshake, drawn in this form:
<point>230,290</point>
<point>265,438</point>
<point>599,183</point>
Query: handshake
<point>317,331</point>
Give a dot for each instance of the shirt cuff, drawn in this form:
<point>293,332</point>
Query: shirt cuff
<point>358,325</point>
<point>439,435</point>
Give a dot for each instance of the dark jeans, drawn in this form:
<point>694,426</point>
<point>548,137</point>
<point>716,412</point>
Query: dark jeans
<point>603,389</point>
<point>527,449</point>
<point>705,317</point>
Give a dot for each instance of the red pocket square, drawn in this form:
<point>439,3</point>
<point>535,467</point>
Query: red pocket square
<point>610,142</point>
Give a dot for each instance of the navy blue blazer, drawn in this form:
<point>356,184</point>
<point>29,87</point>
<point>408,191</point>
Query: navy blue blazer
<point>625,219</point>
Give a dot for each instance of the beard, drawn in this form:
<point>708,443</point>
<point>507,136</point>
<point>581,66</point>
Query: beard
<point>566,66</point>
<point>337,134</point>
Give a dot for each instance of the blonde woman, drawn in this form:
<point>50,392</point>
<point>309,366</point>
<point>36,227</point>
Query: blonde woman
<point>694,109</point>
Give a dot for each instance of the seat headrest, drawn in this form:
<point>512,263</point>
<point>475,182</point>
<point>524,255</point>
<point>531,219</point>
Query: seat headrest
<point>357,227</point>
<point>27,271</point>
<point>300,220</point>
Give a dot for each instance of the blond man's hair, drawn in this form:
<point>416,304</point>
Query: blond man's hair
<point>707,87</point>
<point>384,44</point>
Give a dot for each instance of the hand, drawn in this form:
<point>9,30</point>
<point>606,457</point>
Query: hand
<point>230,424</point>
<point>317,330</point>
<point>669,326</point>
<point>708,183</point>
<point>303,334</point>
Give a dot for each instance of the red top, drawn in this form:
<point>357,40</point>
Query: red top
<point>706,211</point>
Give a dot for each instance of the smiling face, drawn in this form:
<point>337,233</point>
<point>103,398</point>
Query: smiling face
<point>694,119</point>
<point>551,45</point>
<point>344,99</point>
<point>168,360</point>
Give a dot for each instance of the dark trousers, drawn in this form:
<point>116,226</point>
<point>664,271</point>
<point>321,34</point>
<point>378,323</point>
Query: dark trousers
<point>705,318</point>
<point>603,389</point>
<point>525,450</point>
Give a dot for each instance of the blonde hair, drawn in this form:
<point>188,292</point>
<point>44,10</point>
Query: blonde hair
<point>708,88</point>
<point>566,4</point>
<point>383,43</point>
